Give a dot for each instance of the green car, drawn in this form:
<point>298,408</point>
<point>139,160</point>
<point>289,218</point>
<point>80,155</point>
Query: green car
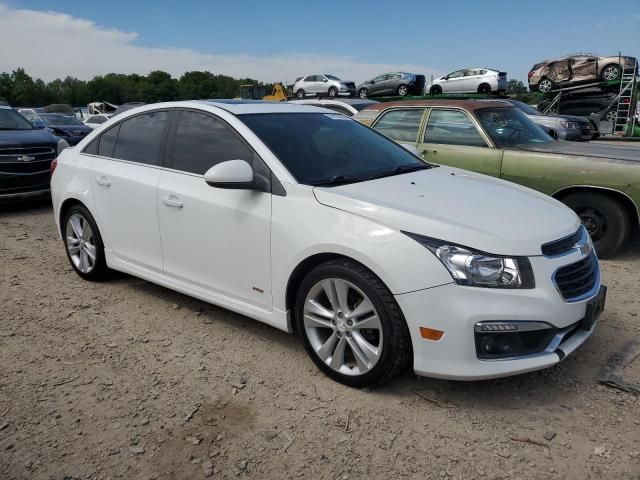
<point>600,183</point>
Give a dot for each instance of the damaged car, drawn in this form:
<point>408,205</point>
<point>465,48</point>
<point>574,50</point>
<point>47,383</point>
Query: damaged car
<point>575,70</point>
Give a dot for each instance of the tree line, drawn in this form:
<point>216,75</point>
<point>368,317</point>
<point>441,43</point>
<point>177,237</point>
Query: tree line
<point>20,89</point>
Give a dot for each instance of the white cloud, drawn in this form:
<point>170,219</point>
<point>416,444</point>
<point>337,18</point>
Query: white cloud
<point>52,45</point>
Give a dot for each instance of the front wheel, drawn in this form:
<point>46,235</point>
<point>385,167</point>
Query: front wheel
<point>83,244</point>
<point>363,93</point>
<point>435,90</point>
<point>300,93</point>
<point>333,92</point>
<point>350,324</point>
<point>605,219</point>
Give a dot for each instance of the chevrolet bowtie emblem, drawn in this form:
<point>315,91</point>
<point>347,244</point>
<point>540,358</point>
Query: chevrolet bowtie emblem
<point>26,158</point>
<point>583,248</point>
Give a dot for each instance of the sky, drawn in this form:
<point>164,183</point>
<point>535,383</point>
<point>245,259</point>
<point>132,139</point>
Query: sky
<point>282,39</point>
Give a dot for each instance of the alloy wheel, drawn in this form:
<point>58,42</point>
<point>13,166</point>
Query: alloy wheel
<point>610,73</point>
<point>402,90</point>
<point>343,326</point>
<point>363,93</point>
<point>80,243</point>
<point>545,85</point>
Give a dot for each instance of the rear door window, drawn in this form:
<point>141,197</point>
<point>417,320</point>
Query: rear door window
<point>108,141</point>
<point>452,127</point>
<point>141,138</point>
<point>202,141</point>
<point>401,125</point>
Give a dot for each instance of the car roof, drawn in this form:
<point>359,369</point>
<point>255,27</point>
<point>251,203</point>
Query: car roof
<point>466,104</point>
<point>335,101</point>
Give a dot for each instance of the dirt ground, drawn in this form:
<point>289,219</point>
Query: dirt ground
<point>126,379</point>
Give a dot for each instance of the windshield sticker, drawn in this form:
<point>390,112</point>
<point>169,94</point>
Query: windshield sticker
<point>498,120</point>
<point>336,116</point>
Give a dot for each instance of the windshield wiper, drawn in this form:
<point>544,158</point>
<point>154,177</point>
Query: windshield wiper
<point>400,170</point>
<point>339,180</point>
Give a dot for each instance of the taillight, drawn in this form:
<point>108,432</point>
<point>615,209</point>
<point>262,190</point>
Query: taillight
<point>530,73</point>
<point>54,164</point>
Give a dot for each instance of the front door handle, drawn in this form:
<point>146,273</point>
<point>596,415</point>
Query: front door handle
<point>104,181</point>
<point>172,201</point>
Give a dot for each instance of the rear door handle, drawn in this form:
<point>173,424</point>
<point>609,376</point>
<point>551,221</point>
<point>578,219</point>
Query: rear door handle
<point>172,201</point>
<point>104,181</point>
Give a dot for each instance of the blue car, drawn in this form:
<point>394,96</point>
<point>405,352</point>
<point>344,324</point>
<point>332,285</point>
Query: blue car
<point>65,126</point>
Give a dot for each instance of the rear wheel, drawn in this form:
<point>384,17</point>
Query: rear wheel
<point>610,73</point>
<point>333,92</point>
<point>435,90</point>
<point>484,88</point>
<point>83,244</point>
<point>545,85</point>
<point>350,324</point>
<point>403,90</point>
<point>363,93</point>
<point>300,93</point>
<point>605,219</point>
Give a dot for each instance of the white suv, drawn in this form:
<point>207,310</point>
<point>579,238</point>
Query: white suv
<point>323,85</point>
<point>469,80</point>
<point>309,221</point>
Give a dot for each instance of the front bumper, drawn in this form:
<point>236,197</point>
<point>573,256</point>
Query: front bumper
<point>455,310</point>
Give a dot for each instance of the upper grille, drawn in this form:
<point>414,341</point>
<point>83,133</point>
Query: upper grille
<point>562,246</point>
<point>574,280</point>
<point>39,152</point>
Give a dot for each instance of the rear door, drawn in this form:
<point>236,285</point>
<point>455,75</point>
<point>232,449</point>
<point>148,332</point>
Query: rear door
<point>472,80</point>
<point>126,173</point>
<point>452,137</point>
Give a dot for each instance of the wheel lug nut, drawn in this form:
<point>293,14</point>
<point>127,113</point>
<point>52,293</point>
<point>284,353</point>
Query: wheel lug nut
<point>349,334</point>
<point>350,323</point>
<point>333,322</point>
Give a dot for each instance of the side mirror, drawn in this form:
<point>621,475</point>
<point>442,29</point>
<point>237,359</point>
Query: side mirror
<point>412,149</point>
<point>233,174</point>
<point>325,80</point>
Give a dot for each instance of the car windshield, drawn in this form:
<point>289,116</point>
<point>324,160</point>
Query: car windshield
<point>330,149</point>
<point>332,77</point>
<point>12,120</point>
<point>59,119</point>
<point>528,109</point>
<point>510,126</point>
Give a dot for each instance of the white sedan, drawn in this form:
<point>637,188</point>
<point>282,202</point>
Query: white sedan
<point>469,80</point>
<point>311,222</point>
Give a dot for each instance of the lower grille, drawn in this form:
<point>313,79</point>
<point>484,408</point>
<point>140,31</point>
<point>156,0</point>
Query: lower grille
<point>575,280</point>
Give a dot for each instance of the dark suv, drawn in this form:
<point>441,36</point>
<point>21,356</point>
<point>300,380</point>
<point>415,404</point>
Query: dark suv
<point>26,154</point>
<point>584,104</point>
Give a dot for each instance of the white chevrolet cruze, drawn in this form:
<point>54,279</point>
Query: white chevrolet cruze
<point>306,220</point>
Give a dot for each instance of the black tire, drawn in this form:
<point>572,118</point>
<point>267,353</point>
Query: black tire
<point>396,350</point>
<point>363,93</point>
<point>545,85</point>
<point>403,90</point>
<point>333,92</point>
<point>615,73</point>
<point>604,217</point>
<point>435,90</point>
<point>300,93</point>
<point>99,271</point>
<point>484,88</point>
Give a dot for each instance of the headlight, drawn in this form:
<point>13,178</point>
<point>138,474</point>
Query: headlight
<point>478,269</point>
<point>567,124</point>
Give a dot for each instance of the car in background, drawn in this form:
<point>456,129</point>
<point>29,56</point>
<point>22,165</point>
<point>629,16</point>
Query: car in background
<point>346,106</point>
<point>26,153</point>
<point>323,85</point>
<point>469,80</point>
<point>562,127</point>
<point>590,103</point>
<point>31,115</point>
<point>599,182</point>
<point>65,126</point>
<point>126,106</point>
<point>574,70</point>
<point>395,83</point>
<point>308,221</point>
<point>96,120</point>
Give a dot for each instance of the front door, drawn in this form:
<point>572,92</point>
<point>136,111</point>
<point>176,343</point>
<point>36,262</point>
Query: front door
<point>125,177</point>
<point>216,239</point>
<point>454,82</point>
<point>451,138</point>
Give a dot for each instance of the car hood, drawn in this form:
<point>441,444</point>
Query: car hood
<point>25,138</point>
<point>594,150</point>
<point>70,128</point>
<point>462,207</point>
